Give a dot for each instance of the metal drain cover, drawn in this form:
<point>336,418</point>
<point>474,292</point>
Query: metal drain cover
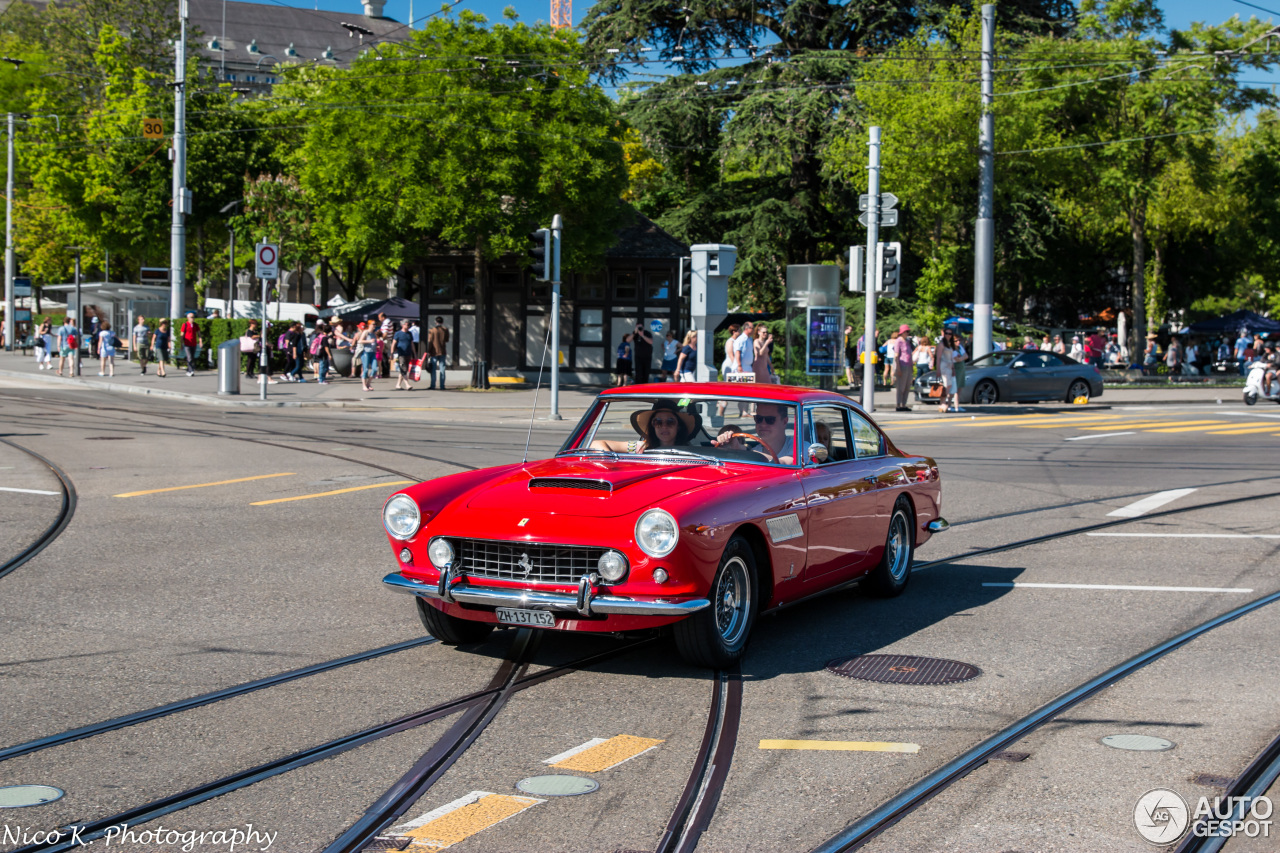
<point>903,669</point>
<point>558,786</point>
<point>19,796</point>
<point>108,438</point>
<point>1139,743</point>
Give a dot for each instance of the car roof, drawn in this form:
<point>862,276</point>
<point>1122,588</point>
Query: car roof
<point>760,391</point>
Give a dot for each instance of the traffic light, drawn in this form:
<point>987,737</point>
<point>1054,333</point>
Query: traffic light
<point>540,253</point>
<point>890,256</point>
<point>686,276</point>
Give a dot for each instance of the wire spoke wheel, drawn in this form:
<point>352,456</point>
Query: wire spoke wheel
<point>898,557</point>
<point>732,601</point>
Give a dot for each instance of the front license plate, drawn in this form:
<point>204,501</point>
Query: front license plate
<point>511,616</point>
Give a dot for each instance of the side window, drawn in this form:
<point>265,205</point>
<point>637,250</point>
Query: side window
<point>866,438</point>
<point>825,425</point>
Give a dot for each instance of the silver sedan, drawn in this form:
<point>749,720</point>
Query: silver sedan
<point>1022,376</point>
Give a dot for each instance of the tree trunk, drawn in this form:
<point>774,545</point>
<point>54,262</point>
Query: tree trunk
<point>480,378</point>
<point>1138,228</point>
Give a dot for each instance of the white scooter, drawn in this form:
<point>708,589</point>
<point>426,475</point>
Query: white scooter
<point>1253,385</point>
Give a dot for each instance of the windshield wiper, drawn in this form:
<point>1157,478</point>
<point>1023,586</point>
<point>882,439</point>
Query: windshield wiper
<point>660,451</point>
<point>589,451</point>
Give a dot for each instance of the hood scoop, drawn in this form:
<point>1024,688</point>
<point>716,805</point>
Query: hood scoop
<point>571,483</point>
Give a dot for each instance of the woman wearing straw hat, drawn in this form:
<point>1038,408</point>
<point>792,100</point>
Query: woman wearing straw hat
<point>663,425</point>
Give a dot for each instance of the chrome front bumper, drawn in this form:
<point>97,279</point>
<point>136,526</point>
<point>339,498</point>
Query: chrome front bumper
<point>584,603</point>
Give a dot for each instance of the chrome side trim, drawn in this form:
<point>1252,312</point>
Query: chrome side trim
<point>554,601</point>
<point>938,525</point>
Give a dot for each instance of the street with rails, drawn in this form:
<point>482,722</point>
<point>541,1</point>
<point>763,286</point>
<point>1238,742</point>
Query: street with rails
<point>196,639</point>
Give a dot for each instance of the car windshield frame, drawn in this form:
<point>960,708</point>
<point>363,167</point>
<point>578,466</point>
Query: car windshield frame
<point>993,359</point>
<point>578,441</point>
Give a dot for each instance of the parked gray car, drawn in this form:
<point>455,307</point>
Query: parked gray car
<point>1022,376</point>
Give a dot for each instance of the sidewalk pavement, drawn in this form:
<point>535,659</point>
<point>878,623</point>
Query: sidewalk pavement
<point>17,370</point>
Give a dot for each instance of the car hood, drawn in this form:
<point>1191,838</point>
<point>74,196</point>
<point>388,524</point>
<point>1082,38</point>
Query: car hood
<point>592,488</point>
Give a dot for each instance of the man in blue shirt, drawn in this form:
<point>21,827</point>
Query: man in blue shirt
<point>1242,343</point>
<point>403,341</point>
<point>745,349</point>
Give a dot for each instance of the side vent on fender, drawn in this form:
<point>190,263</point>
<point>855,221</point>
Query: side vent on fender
<point>570,483</point>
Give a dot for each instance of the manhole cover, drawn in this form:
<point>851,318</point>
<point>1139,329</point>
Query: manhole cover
<point>398,842</point>
<point>558,786</point>
<point>108,438</point>
<point>903,669</point>
<point>19,796</point>
<point>1139,743</point>
<point>355,430</point>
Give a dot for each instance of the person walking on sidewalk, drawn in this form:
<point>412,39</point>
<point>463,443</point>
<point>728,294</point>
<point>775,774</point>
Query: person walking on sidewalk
<point>66,344</point>
<point>191,341</point>
<point>324,354</point>
<point>642,353</point>
<point>403,344</point>
<point>437,352</point>
<point>44,345</point>
<point>104,345</point>
<point>251,357</point>
<point>900,352</point>
<point>366,349</point>
<point>138,339</point>
<point>160,346</point>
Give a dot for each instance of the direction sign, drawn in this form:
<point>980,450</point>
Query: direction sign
<point>268,260</point>
<point>21,286</point>
<point>888,201</point>
<point>888,218</point>
<point>152,128</point>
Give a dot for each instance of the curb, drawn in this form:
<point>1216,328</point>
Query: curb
<point>207,400</point>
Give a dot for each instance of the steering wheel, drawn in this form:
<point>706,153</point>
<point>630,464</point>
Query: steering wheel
<point>763,448</point>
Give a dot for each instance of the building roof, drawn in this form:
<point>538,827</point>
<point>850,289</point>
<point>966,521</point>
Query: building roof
<point>275,30</point>
<point>644,239</point>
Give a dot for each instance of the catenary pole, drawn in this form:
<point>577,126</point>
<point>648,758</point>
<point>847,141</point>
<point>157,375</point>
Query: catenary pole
<point>984,235</point>
<point>557,228</point>
<point>873,237</point>
<point>178,239</point>
<point>9,265</point>
<point>79,318</point>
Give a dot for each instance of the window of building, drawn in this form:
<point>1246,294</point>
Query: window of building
<point>469,285</point>
<point>591,325</point>
<point>657,286</point>
<point>539,291</point>
<point>625,288</point>
<point>591,286</point>
<point>252,78</point>
<point>441,283</point>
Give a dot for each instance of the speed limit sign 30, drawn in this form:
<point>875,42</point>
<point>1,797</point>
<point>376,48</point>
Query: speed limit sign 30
<point>268,260</point>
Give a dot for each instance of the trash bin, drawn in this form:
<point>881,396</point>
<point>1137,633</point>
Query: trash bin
<point>229,367</point>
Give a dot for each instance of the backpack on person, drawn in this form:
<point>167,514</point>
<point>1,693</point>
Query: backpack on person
<point>282,342</point>
<point>316,343</point>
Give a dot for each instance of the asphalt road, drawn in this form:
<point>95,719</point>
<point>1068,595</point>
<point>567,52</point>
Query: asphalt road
<point>272,562</point>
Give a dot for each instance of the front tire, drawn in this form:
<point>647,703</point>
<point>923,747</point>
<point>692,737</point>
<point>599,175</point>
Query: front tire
<point>986,393</point>
<point>1079,388</point>
<point>450,630</point>
<point>890,576</point>
<point>1250,399</point>
<point>717,636</point>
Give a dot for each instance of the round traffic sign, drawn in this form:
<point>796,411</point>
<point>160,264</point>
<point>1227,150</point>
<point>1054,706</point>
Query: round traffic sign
<point>267,255</point>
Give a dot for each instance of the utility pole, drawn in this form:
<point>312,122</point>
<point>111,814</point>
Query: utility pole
<point>79,314</point>
<point>181,202</point>
<point>873,237</point>
<point>557,228</point>
<point>9,265</point>
<point>984,236</point>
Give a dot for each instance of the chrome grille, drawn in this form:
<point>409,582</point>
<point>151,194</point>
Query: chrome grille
<point>570,483</point>
<point>529,562</point>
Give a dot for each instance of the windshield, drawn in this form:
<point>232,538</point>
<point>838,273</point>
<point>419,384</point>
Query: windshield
<point>712,428</point>
<point>996,359</point>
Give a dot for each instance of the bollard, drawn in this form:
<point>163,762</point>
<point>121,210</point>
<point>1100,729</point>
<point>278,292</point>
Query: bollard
<point>229,367</point>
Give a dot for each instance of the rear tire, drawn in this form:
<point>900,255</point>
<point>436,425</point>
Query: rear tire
<point>717,636</point>
<point>450,630</point>
<point>890,576</point>
<point>1078,388</point>
<point>986,393</point>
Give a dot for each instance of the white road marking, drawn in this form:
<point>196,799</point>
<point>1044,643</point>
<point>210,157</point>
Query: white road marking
<point>28,491</point>
<point>1117,587</point>
<point>1194,535</point>
<point>556,759</point>
<point>1149,503</point>
<point>1100,435</point>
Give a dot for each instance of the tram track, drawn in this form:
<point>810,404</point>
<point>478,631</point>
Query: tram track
<point>60,522</point>
<point>478,708</point>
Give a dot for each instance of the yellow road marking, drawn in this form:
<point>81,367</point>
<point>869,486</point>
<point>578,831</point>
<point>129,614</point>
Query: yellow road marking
<point>334,492</point>
<point>1144,424</point>
<point>1037,420</point>
<point>612,752</point>
<point>841,745</point>
<point>461,823</point>
<point>203,485</point>
<point>1244,431</point>
<point>1198,428</point>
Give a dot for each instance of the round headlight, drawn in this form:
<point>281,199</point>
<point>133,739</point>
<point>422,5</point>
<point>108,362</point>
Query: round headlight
<point>656,533</point>
<point>400,516</point>
<point>440,552</point>
<point>612,566</point>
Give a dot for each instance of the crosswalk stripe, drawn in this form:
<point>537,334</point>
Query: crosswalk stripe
<point>1045,421</point>
<point>1244,431</point>
<point>1165,423</point>
<point>1149,503</point>
<point>603,754</point>
<point>464,817</point>
<point>841,745</point>
<point>1200,428</point>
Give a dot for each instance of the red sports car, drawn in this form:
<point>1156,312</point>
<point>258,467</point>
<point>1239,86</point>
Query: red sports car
<point>692,505</point>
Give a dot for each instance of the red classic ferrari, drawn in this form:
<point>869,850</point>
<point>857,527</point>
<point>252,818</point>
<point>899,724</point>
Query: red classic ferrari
<point>693,505</point>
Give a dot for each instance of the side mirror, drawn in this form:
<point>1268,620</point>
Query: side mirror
<point>817,452</point>
<point>1018,364</point>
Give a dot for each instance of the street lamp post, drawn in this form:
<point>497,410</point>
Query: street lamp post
<point>9,264</point>
<point>79,309</point>
<point>231,264</point>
